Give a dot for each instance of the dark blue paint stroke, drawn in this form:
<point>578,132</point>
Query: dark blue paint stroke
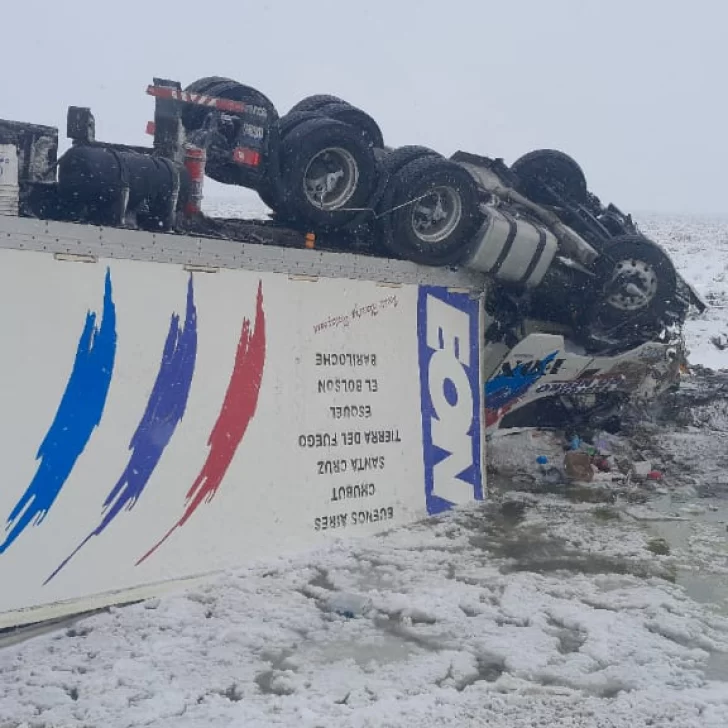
<point>78,414</point>
<point>505,388</point>
<point>165,408</point>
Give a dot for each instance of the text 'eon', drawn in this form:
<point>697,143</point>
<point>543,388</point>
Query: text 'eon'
<point>450,390</point>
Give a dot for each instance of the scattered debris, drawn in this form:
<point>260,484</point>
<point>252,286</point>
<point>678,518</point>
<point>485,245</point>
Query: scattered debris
<point>658,546</point>
<point>578,466</point>
<point>720,342</point>
<point>641,470</point>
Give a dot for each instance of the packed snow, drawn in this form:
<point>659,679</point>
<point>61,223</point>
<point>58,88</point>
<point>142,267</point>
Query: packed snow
<point>534,609</point>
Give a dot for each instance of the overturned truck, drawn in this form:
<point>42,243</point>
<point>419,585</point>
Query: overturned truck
<point>181,394</point>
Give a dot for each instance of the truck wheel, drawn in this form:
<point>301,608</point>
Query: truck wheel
<point>328,172</point>
<point>367,225</point>
<point>639,280</point>
<point>553,168</point>
<point>292,119</point>
<point>314,103</point>
<point>357,118</point>
<point>435,212</point>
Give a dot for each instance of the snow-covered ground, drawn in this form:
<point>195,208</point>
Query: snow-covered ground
<point>532,610</point>
<point>478,619</point>
<point>699,247</point>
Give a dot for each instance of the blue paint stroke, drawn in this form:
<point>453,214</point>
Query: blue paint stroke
<point>165,408</point>
<point>505,388</point>
<point>78,414</point>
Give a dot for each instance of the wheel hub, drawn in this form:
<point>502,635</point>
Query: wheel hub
<point>331,178</point>
<point>633,285</point>
<point>436,215</point>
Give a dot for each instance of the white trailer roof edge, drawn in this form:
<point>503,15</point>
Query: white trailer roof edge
<point>88,242</point>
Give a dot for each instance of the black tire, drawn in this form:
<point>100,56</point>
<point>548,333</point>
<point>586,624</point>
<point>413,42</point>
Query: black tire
<point>314,103</point>
<point>553,168</point>
<point>203,85</point>
<point>292,119</point>
<point>270,194</point>
<point>269,197</point>
<point>634,258</point>
<point>357,118</point>
<point>390,163</point>
<point>449,245</point>
<point>311,140</point>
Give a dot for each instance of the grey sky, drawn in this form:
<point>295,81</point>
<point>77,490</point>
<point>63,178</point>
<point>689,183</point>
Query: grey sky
<point>635,90</point>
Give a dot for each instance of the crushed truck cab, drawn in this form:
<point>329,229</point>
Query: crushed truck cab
<point>545,381</point>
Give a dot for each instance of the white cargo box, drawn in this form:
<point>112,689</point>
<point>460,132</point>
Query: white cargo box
<point>173,406</point>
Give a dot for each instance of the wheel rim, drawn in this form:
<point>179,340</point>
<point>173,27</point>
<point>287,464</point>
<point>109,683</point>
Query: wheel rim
<point>435,217</point>
<point>633,285</point>
<point>331,178</point>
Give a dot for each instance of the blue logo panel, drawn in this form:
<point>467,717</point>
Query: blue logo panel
<point>448,342</point>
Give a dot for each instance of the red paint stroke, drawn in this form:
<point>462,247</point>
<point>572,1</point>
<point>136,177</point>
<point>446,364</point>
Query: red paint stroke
<point>238,409</point>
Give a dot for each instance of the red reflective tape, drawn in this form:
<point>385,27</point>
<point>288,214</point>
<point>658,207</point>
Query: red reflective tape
<point>229,105</point>
<point>151,128</point>
<point>249,157</point>
<point>186,97</point>
<point>161,92</point>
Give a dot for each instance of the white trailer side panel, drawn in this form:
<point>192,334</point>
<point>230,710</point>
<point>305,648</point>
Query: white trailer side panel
<point>158,423</point>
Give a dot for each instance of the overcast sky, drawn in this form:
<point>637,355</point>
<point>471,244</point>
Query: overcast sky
<point>635,90</point>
